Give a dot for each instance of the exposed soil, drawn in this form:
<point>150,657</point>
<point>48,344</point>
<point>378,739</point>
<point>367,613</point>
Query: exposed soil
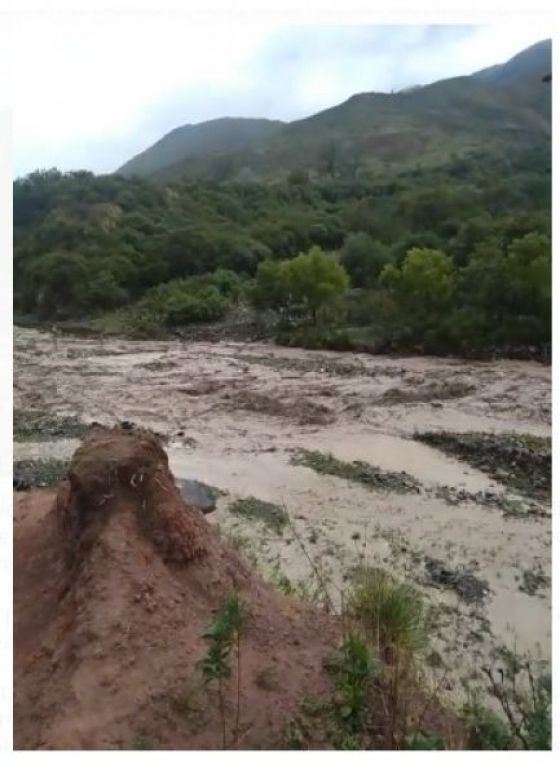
<point>195,394</point>
<point>115,580</point>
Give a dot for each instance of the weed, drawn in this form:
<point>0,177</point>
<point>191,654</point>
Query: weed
<point>354,670</point>
<point>422,741</point>
<point>273,516</point>
<point>369,476</point>
<point>294,735</point>
<point>389,611</point>
<point>527,710</point>
<point>223,635</point>
<point>486,730</point>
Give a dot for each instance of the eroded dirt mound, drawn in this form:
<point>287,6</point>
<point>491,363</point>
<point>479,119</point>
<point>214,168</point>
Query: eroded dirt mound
<point>117,472</point>
<point>116,578</point>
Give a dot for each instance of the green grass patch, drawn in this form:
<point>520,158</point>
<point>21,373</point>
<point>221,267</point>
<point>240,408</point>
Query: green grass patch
<point>37,425</point>
<point>358,471</point>
<point>520,461</point>
<point>46,472</point>
<point>390,613</point>
<point>272,515</point>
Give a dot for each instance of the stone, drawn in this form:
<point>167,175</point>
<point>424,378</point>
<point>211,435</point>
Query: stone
<point>197,494</point>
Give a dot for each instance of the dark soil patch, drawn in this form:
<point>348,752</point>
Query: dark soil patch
<point>468,587</point>
<point>273,516</point>
<point>45,472</point>
<point>510,508</point>
<point>302,411</point>
<point>520,461</point>
<point>319,365</point>
<point>363,473</point>
<point>160,365</point>
<point>533,580</point>
<point>430,391</point>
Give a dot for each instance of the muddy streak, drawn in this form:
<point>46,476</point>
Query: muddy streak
<point>192,390</point>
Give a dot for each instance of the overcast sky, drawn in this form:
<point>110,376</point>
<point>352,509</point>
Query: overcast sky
<point>91,90</point>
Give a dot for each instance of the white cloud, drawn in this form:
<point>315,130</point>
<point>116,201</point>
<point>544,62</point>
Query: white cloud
<point>91,89</point>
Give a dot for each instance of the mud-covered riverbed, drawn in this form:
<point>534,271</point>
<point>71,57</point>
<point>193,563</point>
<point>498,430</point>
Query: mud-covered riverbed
<point>237,416</point>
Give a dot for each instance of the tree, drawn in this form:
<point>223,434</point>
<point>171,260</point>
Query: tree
<point>424,284</point>
<point>328,157</point>
<point>315,279</point>
<point>364,258</point>
<point>304,284</point>
<point>271,286</point>
<point>57,282</point>
<point>512,287</point>
<point>298,178</point>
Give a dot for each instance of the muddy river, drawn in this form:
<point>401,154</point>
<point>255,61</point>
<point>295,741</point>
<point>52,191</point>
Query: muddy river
<point>233,414</point>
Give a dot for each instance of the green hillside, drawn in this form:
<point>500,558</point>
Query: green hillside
<point>221,135</point>
<point>370,133</point>
<point>390,222</point>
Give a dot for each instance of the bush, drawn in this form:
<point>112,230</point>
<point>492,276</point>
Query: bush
<point>182,302</point>
<point>301,286</point>
<point>364,258</point>
<point>390,613</point>
<point>486,730</point>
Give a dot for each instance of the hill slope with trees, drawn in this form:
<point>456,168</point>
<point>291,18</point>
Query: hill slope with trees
<point>369,133</point>
<point>453,256</point>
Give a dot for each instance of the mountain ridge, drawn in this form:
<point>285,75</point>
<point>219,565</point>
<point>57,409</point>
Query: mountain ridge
<point>368,131</point>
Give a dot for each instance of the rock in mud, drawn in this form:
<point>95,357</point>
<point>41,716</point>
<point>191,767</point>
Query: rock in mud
<point>467,586</point>
<point>197,494</point>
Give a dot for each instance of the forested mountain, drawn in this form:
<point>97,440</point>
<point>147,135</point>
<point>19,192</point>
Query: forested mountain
<point>419,219</point>
<point>370,132</point>
<point>219,136</point>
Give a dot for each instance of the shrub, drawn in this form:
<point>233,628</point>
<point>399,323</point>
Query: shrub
<point>486,730</point>
<point>354,669</point>
<point>364,258</point>
<point>390,613</point>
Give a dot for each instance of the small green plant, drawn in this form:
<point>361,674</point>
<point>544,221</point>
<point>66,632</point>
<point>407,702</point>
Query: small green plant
<point>486,730</point>
<point>526,701</point>
<point>422,741</point>
<point>354,670</point>
<point>389,611</point>
<point>223,635</point>
<point>272,515</point>
<point>369,476</point>
<point>389,614</point>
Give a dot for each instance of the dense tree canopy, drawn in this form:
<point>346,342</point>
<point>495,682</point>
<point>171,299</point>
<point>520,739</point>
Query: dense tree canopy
<point>455,256</point>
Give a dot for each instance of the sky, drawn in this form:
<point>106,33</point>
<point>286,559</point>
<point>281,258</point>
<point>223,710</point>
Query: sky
<point>89,89</point>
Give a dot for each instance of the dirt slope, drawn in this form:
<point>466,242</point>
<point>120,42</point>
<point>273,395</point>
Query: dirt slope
<point>115,580</point>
